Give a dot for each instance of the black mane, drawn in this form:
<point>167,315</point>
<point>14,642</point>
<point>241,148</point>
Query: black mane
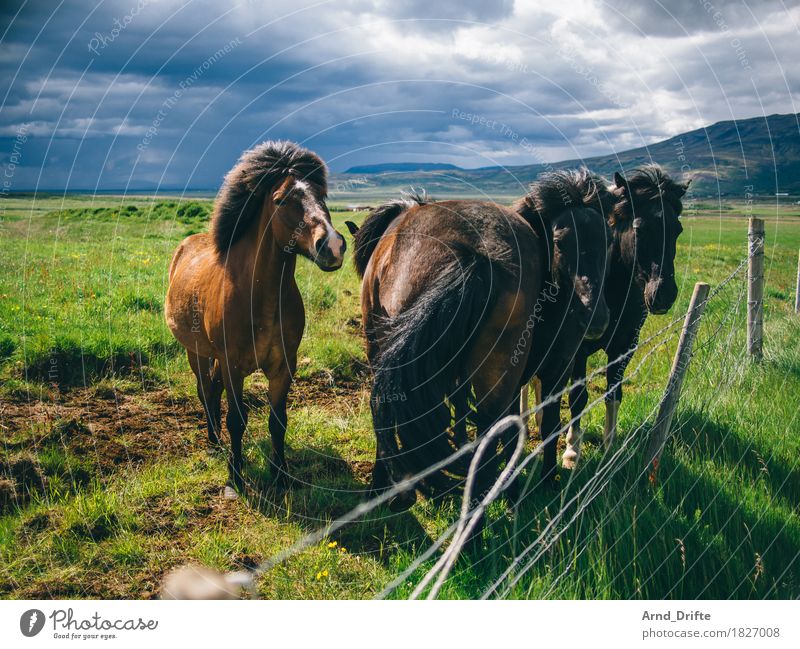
<point>553,192</point>
<point>259,170</point>
<point>648,183</point>
<point>374,226</point>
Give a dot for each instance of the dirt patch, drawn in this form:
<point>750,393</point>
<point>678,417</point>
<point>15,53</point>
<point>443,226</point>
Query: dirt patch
<point>322,390</point>
<point>86,433</point>
<point>164,515</point>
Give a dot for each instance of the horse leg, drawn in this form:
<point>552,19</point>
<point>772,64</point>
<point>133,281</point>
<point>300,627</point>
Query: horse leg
<point>380,473</point>
<point>578,398</point>
<point>278,391</point>
<point>497,385</point>
<point>236,421</point>
<point>615,372</point>
<point>214,405</point>
<point>551,424</point>
<point>537,391</point>
<point>209,391</point>
<point>495,398</point>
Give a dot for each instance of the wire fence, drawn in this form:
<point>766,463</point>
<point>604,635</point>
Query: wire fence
<point>572,510</point>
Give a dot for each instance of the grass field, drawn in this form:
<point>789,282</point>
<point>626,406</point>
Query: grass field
<point>105,483</point>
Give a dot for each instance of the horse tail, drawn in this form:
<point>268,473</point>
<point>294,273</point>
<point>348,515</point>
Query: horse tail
<point>367,237</point>
<point>421,367</point>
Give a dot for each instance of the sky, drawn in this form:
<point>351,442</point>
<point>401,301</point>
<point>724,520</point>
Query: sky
<point>138,94</point>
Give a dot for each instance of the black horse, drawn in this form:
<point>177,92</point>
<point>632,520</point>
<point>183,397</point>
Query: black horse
<point>642,211</point>
<point>564,207</point>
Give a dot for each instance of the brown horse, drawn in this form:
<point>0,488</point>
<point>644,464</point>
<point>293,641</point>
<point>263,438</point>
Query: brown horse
<point>232,299</point>
<point>447,293</point>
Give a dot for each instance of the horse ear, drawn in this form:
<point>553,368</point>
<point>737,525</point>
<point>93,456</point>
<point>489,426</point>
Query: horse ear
<point>619,181</point>
<point>352,227</point>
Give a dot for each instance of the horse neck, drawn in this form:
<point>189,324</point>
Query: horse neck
<point>621,264</point>
<point>263,260</point>
<point>621,285</point>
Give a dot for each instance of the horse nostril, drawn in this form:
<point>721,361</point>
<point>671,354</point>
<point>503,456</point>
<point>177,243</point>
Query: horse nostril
<point>319,245</point>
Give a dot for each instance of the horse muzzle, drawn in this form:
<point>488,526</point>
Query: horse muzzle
<point>329,252</point>
<point>595,322</point>
<point>659,295</point>
<point>597,327</point>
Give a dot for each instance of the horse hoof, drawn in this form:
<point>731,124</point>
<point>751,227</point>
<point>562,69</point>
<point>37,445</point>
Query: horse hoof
<point>229,493</point>
<point>570,460</point>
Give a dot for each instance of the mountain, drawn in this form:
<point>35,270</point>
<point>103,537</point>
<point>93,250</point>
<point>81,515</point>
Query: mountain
<point>402,166</point>
<point>760,155</point>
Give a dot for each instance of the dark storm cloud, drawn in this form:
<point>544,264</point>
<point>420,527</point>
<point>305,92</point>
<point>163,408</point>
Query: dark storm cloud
<point>129,93</point>
<point>676,18</point>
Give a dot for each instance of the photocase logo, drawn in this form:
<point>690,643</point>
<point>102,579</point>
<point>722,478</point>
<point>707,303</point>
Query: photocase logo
<point>31,622</point>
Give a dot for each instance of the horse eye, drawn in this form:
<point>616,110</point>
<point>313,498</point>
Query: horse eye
<point>292,197</point>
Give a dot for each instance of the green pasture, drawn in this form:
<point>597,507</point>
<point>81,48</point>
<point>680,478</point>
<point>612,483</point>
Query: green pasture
<point>105,482</point>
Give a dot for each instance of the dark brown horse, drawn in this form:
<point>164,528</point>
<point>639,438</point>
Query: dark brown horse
<point>642,211</point>
<point>232,299</point>
<point>571,306</point>
<point>446,295</point>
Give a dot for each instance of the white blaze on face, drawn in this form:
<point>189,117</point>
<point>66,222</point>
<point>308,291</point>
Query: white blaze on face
<point>318,216</point>
<point>584,294</point>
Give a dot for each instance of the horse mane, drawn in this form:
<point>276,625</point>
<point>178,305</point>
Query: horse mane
<point>256,173</point>
<point>376,224</point>
<point>648,183</point>
<point>554,191</point>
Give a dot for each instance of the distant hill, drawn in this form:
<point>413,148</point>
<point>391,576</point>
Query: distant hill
<point>401,166</point>
<point>760,155</point>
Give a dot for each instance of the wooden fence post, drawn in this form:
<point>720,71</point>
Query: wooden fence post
<point>797,290</point>
<point>669,401</point>
<point>755,289</point>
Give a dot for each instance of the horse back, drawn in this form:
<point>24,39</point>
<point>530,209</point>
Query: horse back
<point>411,255</point>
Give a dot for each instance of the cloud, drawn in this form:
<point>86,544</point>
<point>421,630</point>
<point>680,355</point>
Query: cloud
<point>128,93</point>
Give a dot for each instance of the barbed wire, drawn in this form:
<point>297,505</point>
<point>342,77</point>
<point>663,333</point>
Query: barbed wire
<point>571,509</point>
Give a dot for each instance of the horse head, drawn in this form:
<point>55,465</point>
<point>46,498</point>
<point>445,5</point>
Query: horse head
<point>647,211</point>
<point>301,223</point>
<point>580,256</point>
<point>562,208</point>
